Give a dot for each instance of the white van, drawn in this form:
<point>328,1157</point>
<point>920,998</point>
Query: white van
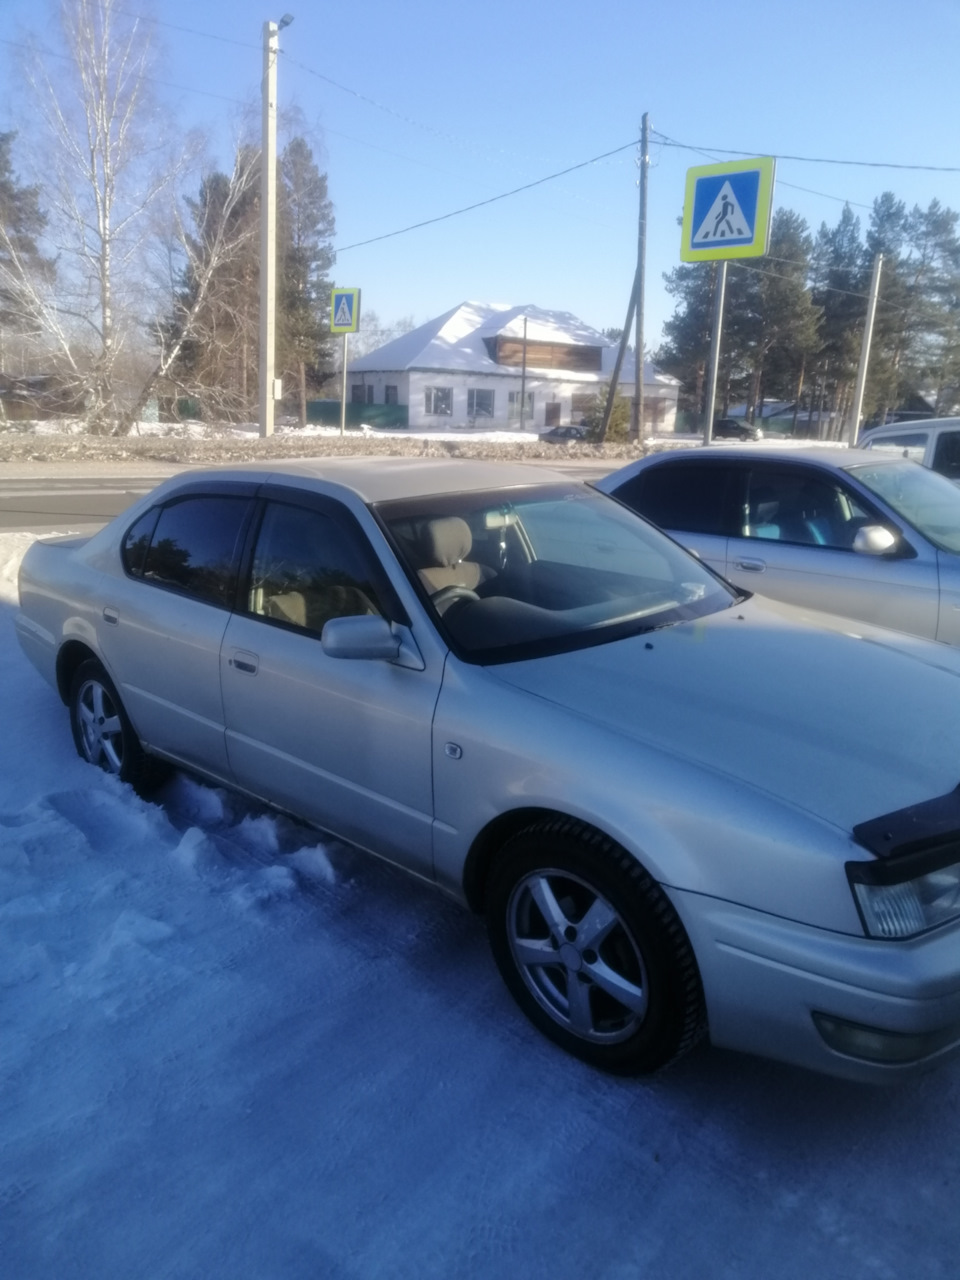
<point>935,442</point>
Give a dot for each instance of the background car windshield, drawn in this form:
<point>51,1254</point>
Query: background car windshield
<point>552,565</point>
<point>928,501</point>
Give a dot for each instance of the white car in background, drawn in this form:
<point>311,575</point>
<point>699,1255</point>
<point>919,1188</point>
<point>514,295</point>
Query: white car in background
<point>933,442</point>
<point>683,812</point>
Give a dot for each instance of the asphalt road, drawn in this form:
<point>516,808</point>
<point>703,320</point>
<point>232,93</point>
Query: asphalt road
<point>83,505</point>
<point>68,505</point>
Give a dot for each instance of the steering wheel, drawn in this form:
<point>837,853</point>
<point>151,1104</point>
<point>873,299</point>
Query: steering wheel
<point>446,596</point>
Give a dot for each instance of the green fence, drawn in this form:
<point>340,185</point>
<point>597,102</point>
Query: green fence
<point>327,414</point>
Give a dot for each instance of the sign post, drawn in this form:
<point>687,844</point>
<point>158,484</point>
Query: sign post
<point>345,319</point>
<point>726,214</point>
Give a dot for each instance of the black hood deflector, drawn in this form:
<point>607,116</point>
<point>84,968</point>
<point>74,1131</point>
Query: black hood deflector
<point>910,830</point>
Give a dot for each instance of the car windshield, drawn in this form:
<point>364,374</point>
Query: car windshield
<point>925,499</point>
<point>544,568</point>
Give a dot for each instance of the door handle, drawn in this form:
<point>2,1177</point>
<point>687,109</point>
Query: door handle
<point>751,566</point>
<point>246,662</point>
<point>111,615</point>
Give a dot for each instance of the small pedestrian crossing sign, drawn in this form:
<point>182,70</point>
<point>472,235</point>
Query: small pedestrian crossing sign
<point>345,311</point>
<point>726,213</point>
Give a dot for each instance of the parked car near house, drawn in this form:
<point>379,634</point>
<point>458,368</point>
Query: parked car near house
<point>933,442</point>
<point>564,435</point>
<point>683,811</point>
<point>736,429</point>
<point>867,535</point>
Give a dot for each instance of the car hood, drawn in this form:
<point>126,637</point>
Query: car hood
<point>843,720</point>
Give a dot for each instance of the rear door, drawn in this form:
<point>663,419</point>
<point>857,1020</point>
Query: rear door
<point>692,500</point>
<point>163,622</point>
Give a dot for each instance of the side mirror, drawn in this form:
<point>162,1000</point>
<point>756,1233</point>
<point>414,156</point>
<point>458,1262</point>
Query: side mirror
<point>874,540</point>
<point>362,637</point>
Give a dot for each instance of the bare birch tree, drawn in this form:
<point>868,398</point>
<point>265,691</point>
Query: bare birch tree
<point>111,185</point>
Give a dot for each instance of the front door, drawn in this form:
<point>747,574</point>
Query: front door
<point>796,545</point>
<point>346,743</point>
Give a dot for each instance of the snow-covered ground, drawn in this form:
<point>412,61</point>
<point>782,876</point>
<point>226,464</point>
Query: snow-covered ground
<point>230,1048</point>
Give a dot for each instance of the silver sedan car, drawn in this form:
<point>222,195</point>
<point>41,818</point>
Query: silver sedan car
<point>866,535</point>
<point>683,812</point>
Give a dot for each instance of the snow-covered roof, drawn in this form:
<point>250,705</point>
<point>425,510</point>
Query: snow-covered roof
<point>454,342</point>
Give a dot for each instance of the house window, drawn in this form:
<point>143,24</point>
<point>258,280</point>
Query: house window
<point>438,401</point>
<point>390,395</point>
<point>479,404</point>
<point>513,406</point>
<point>356,393</point>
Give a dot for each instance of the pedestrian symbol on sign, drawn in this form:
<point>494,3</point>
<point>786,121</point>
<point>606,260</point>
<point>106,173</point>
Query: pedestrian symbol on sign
<point>724,220</point>
<point>344,316</point>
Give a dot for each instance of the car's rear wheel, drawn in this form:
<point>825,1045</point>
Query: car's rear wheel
<point>592,950</point>
<point>102,730</point>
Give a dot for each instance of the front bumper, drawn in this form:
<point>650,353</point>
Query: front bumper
<point>893,1006</point>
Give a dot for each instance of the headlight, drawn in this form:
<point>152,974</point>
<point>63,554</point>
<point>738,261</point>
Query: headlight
<point>901,897</point>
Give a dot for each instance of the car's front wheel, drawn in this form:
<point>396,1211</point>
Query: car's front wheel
<point>592,950</point>
<point>102,730</point>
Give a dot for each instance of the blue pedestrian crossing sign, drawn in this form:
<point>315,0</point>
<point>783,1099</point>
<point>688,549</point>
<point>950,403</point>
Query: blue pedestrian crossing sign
<point>727,210</point>
<point>345,311</point>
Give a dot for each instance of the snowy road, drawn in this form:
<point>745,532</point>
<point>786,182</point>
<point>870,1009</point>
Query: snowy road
<point>229,1049</point>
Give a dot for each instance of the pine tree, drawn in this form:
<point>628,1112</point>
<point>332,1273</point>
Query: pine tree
<point>21,223</point>
<point>306,220</point>
<point>840,281</point>
<point>773,322</point>
<point>218,360</point>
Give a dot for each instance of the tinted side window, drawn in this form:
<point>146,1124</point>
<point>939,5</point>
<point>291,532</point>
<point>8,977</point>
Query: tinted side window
<point>946,459</point>
<point>909,444</point>
<point>688,497</point>
<point>136,542</point>
<point>787,504</point>
<point>307,569</point>
<point>194,547</point>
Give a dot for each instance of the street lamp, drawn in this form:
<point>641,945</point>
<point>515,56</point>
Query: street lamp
<point>268,224</point>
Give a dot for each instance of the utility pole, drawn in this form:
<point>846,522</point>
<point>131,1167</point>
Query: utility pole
<point>268,223</point>
<point>635,306</point>
<point>865,350</point>
<point>523,374</point>
<point>636,426</point>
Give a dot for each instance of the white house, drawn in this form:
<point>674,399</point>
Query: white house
<point>469,366</point>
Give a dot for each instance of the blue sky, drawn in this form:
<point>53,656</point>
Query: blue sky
<point>415,110</point>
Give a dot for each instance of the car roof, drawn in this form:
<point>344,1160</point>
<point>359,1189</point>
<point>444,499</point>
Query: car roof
<point>819,455</point>
<point>917,424</point>
<point>381,478</point>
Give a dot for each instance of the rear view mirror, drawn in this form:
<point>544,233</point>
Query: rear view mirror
<point>371,638</point>
<point>874,540</point>
<point>361,637</point>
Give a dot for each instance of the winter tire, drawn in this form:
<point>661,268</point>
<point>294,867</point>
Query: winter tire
<point>592,950</point>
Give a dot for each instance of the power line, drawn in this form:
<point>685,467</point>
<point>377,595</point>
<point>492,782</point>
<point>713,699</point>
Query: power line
<point>550,177</point>
<point>862,164</point>
<point>812,288</point>
<point>190,31</point>
<point>166,84</point>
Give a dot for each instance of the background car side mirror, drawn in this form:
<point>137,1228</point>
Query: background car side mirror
<point>874,540</point>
